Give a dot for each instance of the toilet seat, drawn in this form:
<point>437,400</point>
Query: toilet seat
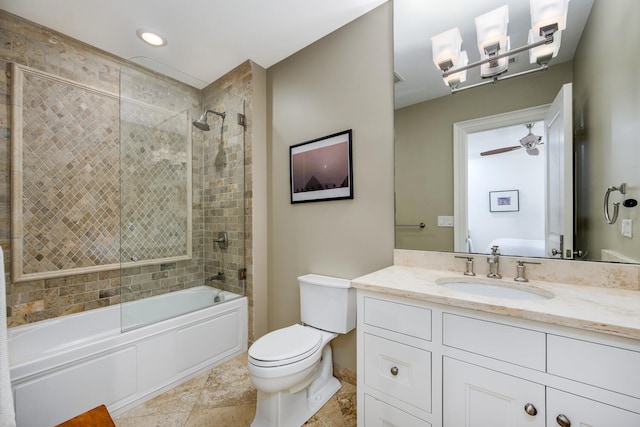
<point>285,346</point>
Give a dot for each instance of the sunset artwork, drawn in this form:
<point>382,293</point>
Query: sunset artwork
<point>321,169</point>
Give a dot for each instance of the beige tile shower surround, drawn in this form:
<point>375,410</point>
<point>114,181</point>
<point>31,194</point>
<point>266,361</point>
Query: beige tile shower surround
<point>590,296</point>
<point>40,48</point>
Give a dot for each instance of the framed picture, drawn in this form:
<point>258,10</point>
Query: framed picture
<point>504,201</point>
<point>321,169</point>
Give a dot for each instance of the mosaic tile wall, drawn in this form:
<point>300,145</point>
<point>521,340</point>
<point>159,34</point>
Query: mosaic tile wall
<point>43,49</point>
<point>155,168</point>
<point>70,193</point>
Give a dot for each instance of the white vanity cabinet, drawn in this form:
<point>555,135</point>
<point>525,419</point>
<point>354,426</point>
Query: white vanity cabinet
<point>432,365</point>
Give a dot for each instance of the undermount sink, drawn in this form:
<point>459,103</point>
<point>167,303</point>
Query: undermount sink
<point>495,290</point>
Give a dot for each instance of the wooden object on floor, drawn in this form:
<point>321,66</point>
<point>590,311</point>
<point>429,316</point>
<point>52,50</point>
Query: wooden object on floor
<point>97,417</point>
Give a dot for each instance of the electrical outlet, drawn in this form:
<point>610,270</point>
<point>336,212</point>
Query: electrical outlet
<point>445,221</point>
<point>627,228</point>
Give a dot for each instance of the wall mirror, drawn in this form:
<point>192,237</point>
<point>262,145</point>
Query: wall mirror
<point>439,136</point>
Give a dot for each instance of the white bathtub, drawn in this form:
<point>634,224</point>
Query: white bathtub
<point>67,365</point>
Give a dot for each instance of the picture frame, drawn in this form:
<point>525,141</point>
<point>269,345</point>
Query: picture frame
<point>504,201</point>
<point>321,169</point>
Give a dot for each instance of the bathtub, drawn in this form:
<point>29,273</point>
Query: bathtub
<point>64,366</point>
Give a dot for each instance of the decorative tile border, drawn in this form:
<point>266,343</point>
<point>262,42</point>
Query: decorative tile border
<point>65,173</point>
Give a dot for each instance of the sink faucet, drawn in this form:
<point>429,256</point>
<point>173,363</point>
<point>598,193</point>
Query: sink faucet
<point>494,263</point>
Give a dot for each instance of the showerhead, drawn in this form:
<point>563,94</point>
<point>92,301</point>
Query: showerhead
<point>201,123</point>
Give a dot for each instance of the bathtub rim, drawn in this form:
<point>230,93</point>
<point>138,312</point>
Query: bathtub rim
<point>32,368</point>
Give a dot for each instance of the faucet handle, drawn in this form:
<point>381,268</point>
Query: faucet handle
<point>469,264</point>
<point>495,250</point>
<point>520,270</point>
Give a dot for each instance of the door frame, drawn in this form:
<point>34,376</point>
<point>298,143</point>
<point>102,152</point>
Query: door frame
<point>461,131</point>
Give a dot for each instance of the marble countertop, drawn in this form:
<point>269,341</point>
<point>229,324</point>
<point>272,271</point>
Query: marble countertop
<point>605,310</point>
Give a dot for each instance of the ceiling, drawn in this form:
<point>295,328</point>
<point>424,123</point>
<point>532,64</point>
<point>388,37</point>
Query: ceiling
<point>206,38</point>
<point>416,21</point>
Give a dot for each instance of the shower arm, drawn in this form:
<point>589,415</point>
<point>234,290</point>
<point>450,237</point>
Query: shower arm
<point>223,114</point>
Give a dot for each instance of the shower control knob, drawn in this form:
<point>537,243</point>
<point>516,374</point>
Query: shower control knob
<point>394,371</point>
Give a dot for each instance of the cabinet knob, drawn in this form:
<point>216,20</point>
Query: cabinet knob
<point>563,421</point>
<point>394,371</point>
<point>530,409</point>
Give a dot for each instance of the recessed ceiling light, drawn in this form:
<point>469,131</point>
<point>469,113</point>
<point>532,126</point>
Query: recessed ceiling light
<point>151,38</point>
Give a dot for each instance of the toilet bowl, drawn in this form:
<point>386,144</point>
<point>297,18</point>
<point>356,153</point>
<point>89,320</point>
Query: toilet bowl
<point>292,367</point>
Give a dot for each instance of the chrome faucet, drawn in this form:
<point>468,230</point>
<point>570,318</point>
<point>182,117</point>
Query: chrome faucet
<point>494,263</point>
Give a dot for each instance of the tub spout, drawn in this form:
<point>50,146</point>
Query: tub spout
<point>220,276</point>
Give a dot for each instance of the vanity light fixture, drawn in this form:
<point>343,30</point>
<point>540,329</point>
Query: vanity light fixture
<point>548,19</point>
<point>446,53</point>
<point>151,38</point>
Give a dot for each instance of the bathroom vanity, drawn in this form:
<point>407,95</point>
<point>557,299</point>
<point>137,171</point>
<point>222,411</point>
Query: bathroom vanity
<point>433,356</point>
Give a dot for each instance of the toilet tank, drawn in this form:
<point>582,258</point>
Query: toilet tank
<point>327,303</point>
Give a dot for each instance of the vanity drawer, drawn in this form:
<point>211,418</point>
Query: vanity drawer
<point>511,344</point>
<point>604,366</point>
<point>398,370</point>
<point>379,414</point>
<point>403,318</point>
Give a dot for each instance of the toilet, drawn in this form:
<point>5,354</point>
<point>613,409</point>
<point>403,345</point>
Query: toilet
<point>292,367</point>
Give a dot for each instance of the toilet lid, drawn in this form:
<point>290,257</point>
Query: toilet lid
<point>286,345</point>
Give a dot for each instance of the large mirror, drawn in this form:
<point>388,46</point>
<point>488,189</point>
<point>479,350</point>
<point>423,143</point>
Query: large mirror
<point>465,200</point>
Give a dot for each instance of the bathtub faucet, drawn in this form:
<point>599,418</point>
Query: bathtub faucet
<point>220,276</point>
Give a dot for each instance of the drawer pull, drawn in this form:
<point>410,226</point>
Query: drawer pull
<point>563,421</point>
<point>394,371</point>
<point>530,409</point>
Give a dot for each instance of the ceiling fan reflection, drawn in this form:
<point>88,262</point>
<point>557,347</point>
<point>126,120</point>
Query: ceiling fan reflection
<point>529,143</point>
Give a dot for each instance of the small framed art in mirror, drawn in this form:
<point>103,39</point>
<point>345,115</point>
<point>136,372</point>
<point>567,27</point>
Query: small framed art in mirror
<point>504,201</point>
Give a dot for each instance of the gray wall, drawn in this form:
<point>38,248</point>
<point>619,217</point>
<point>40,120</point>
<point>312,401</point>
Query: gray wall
<point>607,120</point>
<point>424,149</point>
<point>343,81</point>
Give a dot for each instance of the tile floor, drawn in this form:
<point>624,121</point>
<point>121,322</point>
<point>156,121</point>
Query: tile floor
<point>225,397</point>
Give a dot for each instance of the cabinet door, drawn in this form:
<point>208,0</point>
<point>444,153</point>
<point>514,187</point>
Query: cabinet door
<point>380,414</point>
<point>478,397</point>
<point>564,410</point>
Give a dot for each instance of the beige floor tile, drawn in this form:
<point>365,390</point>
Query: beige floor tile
<point>232,416</point>
<point>179,399</point>
<point>175,419</point>
<point>225,397</point>
<point>228,385</point>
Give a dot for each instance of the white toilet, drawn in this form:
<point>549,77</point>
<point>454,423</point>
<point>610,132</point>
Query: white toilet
<point>292,367</point>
